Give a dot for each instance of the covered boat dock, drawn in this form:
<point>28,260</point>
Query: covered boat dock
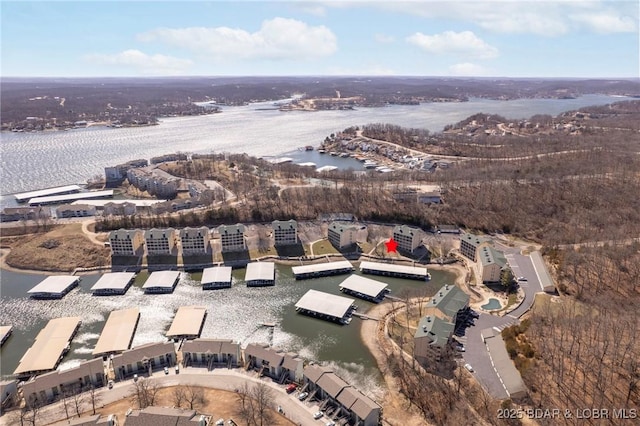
<point>395,270</point>
<point>216,277</point>
<point>118,331</point>
<point>26,196</point>
<point>54,287</point>
<point>5,332</point>
<point>322,269</point>
<point>188,322</point>
<point>364,288</point>
<point>161,282</point>
<point>260,274</point>
<point>63,199</point>
<point>325,306</point>
<point>113,283</point>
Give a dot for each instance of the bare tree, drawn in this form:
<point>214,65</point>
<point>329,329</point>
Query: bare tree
<point>144,392</point>
<point>178,396</point>
<point>78,398</point>
<point>94,397</point>
<point>194,397</point>
<point>254,404</point>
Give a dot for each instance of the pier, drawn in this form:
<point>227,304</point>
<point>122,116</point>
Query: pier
<point>322,269</point>
<point>216,277</point>
<point>161,282</point>
<point>118,331</point>
<point>325,306</point>
<point>260,274</point>
<point>364,288</point>
<point>54,287</point>
<point>188,322</point>
<point>113,283</point>
<point>395,270</point>
<point>5,332</point>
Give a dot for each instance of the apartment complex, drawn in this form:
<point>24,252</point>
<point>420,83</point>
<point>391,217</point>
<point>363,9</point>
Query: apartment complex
<point>210,353</point>
<point>408,238</point>
<point>195,240</point>
<point>143,359</point>
<point>125,242</point>
<point>160,241</point>
<point>470,244</point>
<point>492,263</point>
<point>285,232</point>
<point>75,210</point>
<point>342,235</point>
<point>232,237</point>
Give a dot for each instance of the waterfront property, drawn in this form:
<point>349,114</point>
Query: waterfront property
<point>144,359</point>
<point>113,283</point>
<point>118,331</point>
<point>5,332</point>
<point>509,374</point>
<point>285,232</point>
<point>49,387</point>
<point>14,214</point>
<point>322,269</point>
<point>216,277</point>
<point>364,288</point>
<point>260,274</point>
<point>188,322</point>
<point>54,287</point>
<point>26,196</point>
<point>408,238</point>
<point>51,344</point>
<point>470,244</point>
<point>448,302</point>
<point>195,241</point>
<point>160,241</point>
<point>161,416</point>
<point>75,210</point>
<point>8,393</point>
<point>342,235</point>
<point>161,282</point>
<point>431,339</point>
<point>62,199</point>
<point>325,306</point>
<point>492,263</point>
<point>210,353</point>
<point>126,242</point>
<point>394,270</point>
<point>232,237</point>
<point>282,367</point>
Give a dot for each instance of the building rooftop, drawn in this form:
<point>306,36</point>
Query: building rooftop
<point>66,376</point>
<point>392,267</point>
<point>364,406</point>
<point>194,232</point>
<point>332,384</point>
<point>284,224</point>
<point>213,346</point>
<point>49,345</point>
<point>216,274</point>
<point>118,331</point>
<point>340,227</point>
<point>231,229</point>
<point>541,271</point>
<point>149,350</point>
<point>315,371</point>
<point>366,286</point>
<point>449,300</point>
<point>475,240</point>
<point>489,256</point>
<point>54,284</point>
<point>165,416</point>
<point>325,303</point>
<point>264,352</point>
<point>52,199</point>
<point>113,280</point>
<point>103,203</point>
<point>161,279</point>
<point>435,329</point>
<point>321,267</point>
<point>260,271</point>
<point>407,230</point>
<point>95,420</point>
<point>24,196</point>
<point>187,322</point>
<point>157,234</point>
<point>510,376</point>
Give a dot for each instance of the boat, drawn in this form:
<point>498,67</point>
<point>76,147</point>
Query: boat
<point>308,148</point>
<point>344,155</point>
<point>333,153</point>
<point>321,151</point>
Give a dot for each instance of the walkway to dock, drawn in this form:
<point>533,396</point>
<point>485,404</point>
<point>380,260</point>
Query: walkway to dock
<point>364,316</point>
<point>397,299</point>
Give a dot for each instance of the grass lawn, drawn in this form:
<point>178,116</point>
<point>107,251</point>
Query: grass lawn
<point>324,247</point>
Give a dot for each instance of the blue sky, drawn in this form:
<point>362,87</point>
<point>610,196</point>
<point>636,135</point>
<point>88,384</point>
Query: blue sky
<point>562,38</point>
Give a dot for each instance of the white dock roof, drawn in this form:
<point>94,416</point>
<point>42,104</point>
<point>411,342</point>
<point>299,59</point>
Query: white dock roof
<point>4,331</point>
<point>216,274</point>
<point>260,271</point>
<point>118,331</point>
<point>161,279</point>
<point>188,321</point>
<point>102,203</point>
<point>321,267</point>
<point>71,197</point>
<point>367,286</point>
<point>325,303</point>
<point>44,192</point>
<point>54,284</point>
<point>113,280</point>
<point>392,267</point>
<point>49,345</point>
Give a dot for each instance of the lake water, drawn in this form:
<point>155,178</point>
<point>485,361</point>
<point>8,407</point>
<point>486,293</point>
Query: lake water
<point>234,313</point>
<point>38,160</point>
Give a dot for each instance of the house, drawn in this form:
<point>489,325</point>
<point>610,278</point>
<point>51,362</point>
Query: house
<point>75,210</point>
<point>49,387</point>
<point>470,243</point>
<point>431,338</point>
<point>165,416</point>
<point>264,358</point>
<point>342,235</point>
<point>285,232</point>
<point>14,214</point>
<point>492,263</point>
<point>160,241</point>
<point>210,353</point>
<point>144,358</point>
<point>195,240</point>
<point>126,242</point>
<point>232,237</point>
<point>292,367</point>
<point>408,238</point>
<point>120,209</point>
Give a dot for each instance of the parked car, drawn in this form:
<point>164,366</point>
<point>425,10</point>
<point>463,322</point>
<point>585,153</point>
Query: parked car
<point>460,348</point>
<point>522,278</point>
<point>302,396</point>
<point>135,377</point>
<point>468,367</point>
<point>166,370</point>
<point>220,422</point>
<point>331,423</point>
<point>291,388</point>
<point>318,414</point>
<point>110,384</point>
<point>177,369</point>
<point>280,410</point>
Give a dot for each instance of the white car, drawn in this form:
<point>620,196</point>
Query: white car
<point>318,414</point>
<point>135,377</point>
<point>468,367</point>
<point>302,396</point>
<point>331,423</point>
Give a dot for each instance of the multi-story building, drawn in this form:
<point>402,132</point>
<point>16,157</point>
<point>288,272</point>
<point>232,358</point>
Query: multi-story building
<point>143,359</point>
<point>120,209</point>
<point>270,361</point>
<point>285,232</point>
<point>408,238</point>
<point>232,237</point>
<point>195,240</point>
<point>431,339</point>
<point>210,353</point>
<point>12,214</point>
<point>492,263</point>
<point>342,235</point>
<point>160,241</point>
<point>75,210</point>
<point>470,243</point>
<point>125,242</point>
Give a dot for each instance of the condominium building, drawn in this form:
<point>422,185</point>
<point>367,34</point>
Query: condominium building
<point>160,241</point>
<point>285,232</point>
<point>126,242</point>
<point>232,237</point>
<point>195,240</point>
<point>470,243</point>
<point>342,235</point>
<point>408,238</point>
<point>75,210</point>
<point>492,263</point>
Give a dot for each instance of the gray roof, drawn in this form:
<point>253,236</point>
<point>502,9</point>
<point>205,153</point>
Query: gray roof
<point>364,406</point>
<point>54,284</point>
<point>508,373</point>
<point>118,331</point>
<point>340,227</point>
<point>264,352</point>
<point>124,234</point>
<point>489,255</point>
<point>363,285</point>
<point>474,240</point>
<point>292,361</point>
<point>314,372</point>
<point>188,321</point>
<point>325,303</point>
<point>194,232</point>
<point>435,329</point>
<point>214,346</point>
<point>407,230</point>
<point>157,234</point>
<point>348,397</point>
<point>332,384</point>
<point>56,378</point>
<point>113,280</point>
<point>284,224</point>
<point>161,279</point>
<point>393,267</point>
<point>449,300</point>
<point>163,416</point>
<point>260,271</point>
<point>216,274</point>
<point>231,229</point>
<point>150,350</point>
<point>321,267</point>
<point>541,271</point>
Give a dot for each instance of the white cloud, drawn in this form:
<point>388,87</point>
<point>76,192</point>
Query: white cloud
<point>278,38</point>
<point>385,39</point>
<point>449,42</point>
<point>467,69</point>
<point>605,23</point>
<point>147,64</point>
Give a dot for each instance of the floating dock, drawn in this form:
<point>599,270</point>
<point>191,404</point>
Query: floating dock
<point>50,346</point>
<point>325,306</point>
<point>113,283</point>
<point>188,322</point>
<point>161,282</point>
<point>216,277</point>
<point>54,287</point>
<point>322,269</point>
<point>364,288</point>
<point>394,270</point>
<point>260,274</point>
<point>118,331</point>
<point>26,196</point>
<point>63,199</point>
<point>5,332</point>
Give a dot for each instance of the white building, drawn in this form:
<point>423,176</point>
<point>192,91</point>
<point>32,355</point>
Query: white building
<point>342,235</point>
<point>195,240</point>
<point>408,238</point>
<point>232,237</point>
<point>160,241</point>
<point>125,242</point>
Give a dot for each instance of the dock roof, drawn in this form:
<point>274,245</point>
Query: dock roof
<point>216,274</point>
<point>321,267</point>
<point>54,284</point>
<point>188,321</point>
<point>52,199</point>
<point>24,196</point>
<point>366,286</point>
<point>161,279</point>
<point>118,331</point>
<point>49,345</point>
<point>325,303</point>
<point>260,271</point>
<point>5,330</point>
<point>392,267</point>
<point>113,280</point>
